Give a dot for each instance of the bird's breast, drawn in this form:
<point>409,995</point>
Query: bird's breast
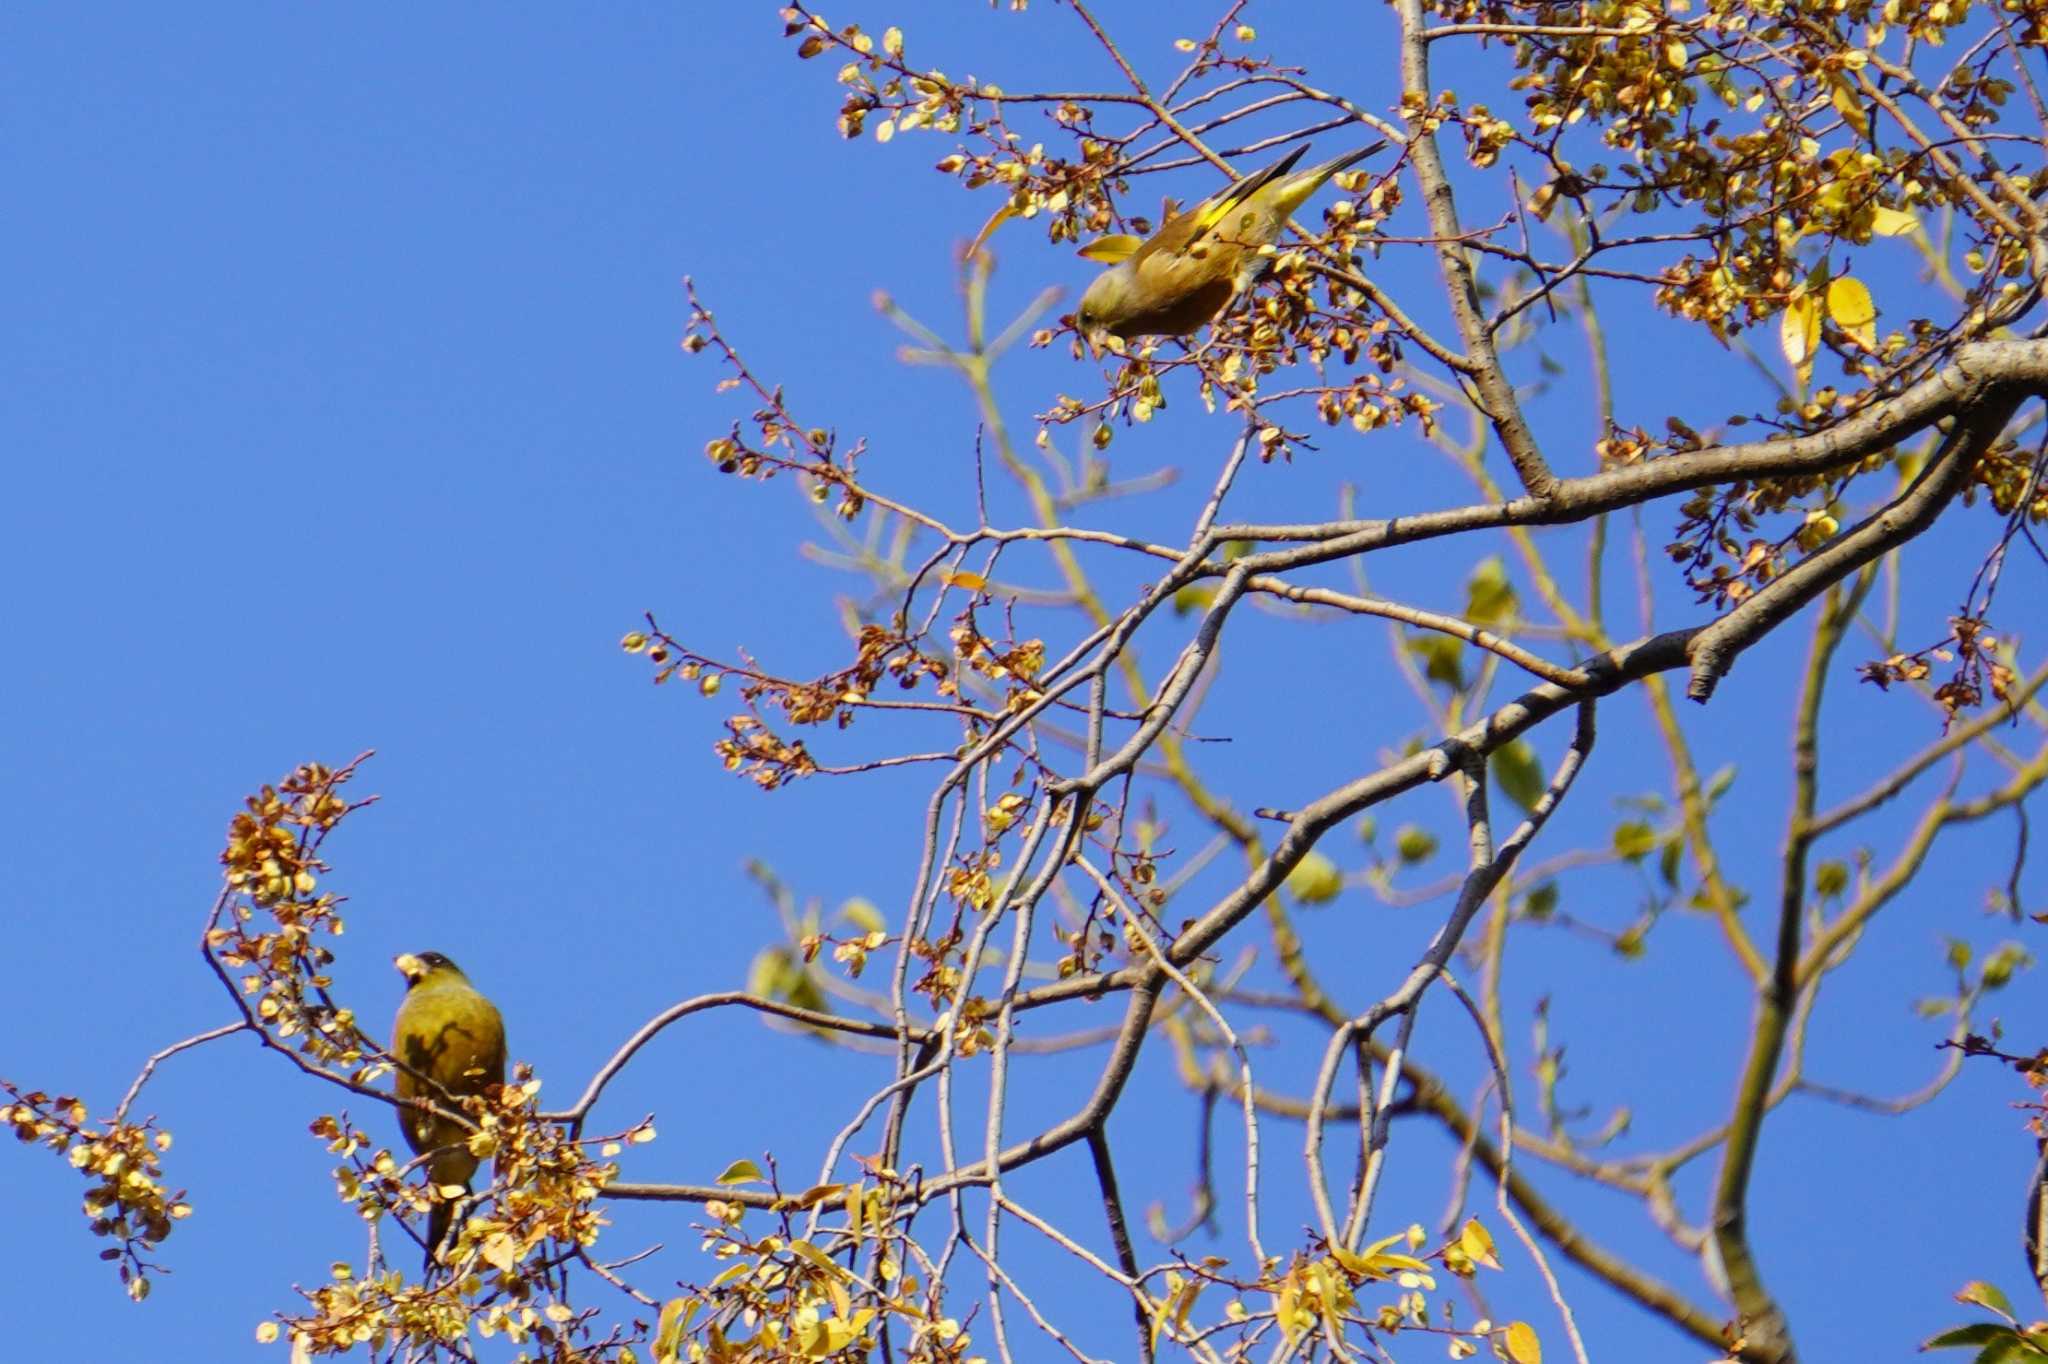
<point>1182,310</point>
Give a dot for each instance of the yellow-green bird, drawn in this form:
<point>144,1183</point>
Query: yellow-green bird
<point>1187,273</point>
<point>446,1035</point>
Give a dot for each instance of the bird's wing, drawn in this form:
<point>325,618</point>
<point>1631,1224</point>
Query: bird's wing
<point>1203,218</point>
<point>492,1060</point>
<point>1117,246</point>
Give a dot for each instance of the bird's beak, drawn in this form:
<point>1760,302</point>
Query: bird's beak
<point>409,966</point>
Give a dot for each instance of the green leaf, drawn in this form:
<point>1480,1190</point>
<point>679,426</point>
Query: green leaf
<point>862,914</point>
<point>1442,659</point>
<point>742,1172</point>
<point>1414,844</point>
<point>1315,879</point>
<point>1986,1295</point>
<point>1718,784</point>
<point>2016,1347</point>
<point>777,974</point>
<point>1489,596</point>
<point>1667,861</point>
<point>1978,1333</point>
<point>1634,840</point>
<point>1519,774</point>
<point>769,976</point>
<point>1194,597</point>
<point>1540,903</point>
<point>1831,879</point>
<point>1998,968</point>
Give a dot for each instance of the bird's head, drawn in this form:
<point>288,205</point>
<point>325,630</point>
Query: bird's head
<point>416,967</point>
<point>1103,306</point>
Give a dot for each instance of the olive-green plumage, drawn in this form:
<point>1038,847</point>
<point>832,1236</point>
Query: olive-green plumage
<point>446,1035</point>
<point>1186,273</point>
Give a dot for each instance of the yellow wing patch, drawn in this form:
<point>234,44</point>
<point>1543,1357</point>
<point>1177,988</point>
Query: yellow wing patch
<point>1217,209</point>
<point>1118,246</point>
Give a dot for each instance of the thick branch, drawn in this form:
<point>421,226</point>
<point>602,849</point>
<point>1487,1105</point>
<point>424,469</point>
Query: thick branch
<point>1913,511</point>
<point>1981,372</point>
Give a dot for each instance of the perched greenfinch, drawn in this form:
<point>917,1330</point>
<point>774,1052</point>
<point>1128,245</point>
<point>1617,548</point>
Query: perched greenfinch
<point>449,1036</point>
<point>1188,272</point>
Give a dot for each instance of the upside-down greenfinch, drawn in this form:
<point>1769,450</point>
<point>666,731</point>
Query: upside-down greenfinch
<point>1184,276</point>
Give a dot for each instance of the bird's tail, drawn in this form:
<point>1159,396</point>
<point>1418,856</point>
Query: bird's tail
<point>1299,186</point>
<point>438,1220</point>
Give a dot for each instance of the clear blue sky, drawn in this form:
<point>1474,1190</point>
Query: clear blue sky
<point>344,410</point>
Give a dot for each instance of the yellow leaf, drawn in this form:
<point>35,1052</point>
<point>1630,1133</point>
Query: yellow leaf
<point>812,1197</point>
<point>1850,305</point>
<point>1352,1261</point>
<point>1477,1244</point>
<point>1674,53</point>
<point>1286,1306</point>
<point>668,1336</point>
<point>842,1301</point>
<point>1799,332</point>
<point>863,915</point>
<point>500,1251</point>
<point>1523,1347</point>
<point>1385,1263</point>
<point>817,1257</point>
<point>741,1172</point>
<point>1849,105</point>
<point>974,582</point>
<point>1891,222</point>
<point>1161,1311</point>
<point>995,220</point>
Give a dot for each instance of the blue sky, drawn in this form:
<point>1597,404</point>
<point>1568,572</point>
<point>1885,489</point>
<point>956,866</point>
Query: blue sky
<point>345,411</point>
